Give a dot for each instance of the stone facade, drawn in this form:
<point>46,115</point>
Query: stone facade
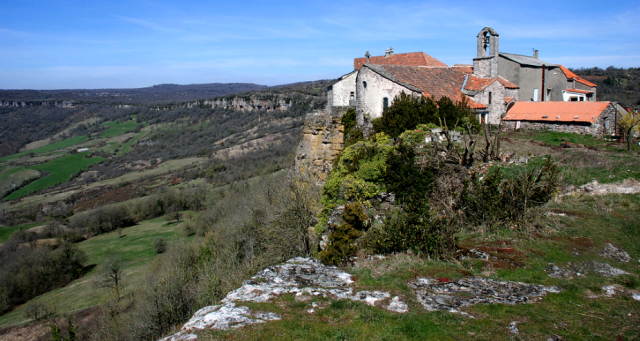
<point>322,140</point>
<point>372,89</point>
<point>497,105</point>
<point>342,93</point>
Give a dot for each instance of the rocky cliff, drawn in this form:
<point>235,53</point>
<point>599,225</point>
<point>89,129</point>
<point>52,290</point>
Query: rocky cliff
<point>30,104</point>
<point>322,140</point>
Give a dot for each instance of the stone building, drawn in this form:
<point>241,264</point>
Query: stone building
<point>592,118</point>
<point>494,82</point>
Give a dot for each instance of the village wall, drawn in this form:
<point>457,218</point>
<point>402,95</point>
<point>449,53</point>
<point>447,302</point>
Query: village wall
<point>370,98</point>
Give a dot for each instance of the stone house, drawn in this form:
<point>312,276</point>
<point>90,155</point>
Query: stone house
<point>491,85</point>
<point>592,118</point>
<point>538,80</point>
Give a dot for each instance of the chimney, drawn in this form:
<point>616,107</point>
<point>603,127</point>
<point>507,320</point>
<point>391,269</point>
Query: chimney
<point>390,51</point>
<point>367,55</point>
<point>535,54</point>
<point>386,53</point>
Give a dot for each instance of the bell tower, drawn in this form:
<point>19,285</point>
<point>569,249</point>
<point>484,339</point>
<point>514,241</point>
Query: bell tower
<point>485,65</point>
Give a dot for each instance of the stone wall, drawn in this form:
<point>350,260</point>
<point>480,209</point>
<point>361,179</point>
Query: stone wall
<point>322,140</point>
<point>604,125</point>
<point>370,98</point>
<point>485,67</point>
<point>339,94</point>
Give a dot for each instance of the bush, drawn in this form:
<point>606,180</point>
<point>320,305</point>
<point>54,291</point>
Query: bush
<point>407,112</point>
<point>497,200</point>
<point>160,245</point>
<point>342,241</point>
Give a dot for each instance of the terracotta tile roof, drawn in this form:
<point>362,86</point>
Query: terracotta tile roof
<point>479,84</point>
<point>580,91</point>
<point>432,81</point>
<point>508,99</point>
<point>556,111</point>
<point>413,58</point>
<point>572,76</point>
<point>507,84</point>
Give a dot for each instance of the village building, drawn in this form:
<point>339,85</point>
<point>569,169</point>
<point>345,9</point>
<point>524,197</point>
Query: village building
<point>591,118</point>
<point>492,85</point>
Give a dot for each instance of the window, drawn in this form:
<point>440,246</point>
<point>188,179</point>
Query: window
<point>490,95</point>
<point>352,96</point>
<point>535,95</point>
<point>581,99</point>
<point>573,99</point>
<point>364,84</point>
<point>385,103</point>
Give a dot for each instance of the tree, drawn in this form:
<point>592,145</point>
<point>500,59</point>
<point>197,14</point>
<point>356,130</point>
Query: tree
<point>405,113</point>
<point>112,274</point>
<point>630,123</point>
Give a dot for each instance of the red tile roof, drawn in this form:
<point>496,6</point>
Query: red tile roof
<point>507,84</point>
<point>435,81</point>
<point>556,111</point>
<point>479,84</point>
<point>413,58</point>
<point>508,99</point>
<point>572,76</point>
<point>580,91</point>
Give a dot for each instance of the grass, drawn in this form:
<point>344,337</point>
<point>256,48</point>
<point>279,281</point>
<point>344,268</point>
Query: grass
<point>118,127</point>
<point>54,146</point>
<point>555,139</point>
<point>7,231</point>
<point>60,169</point>
<point>573,314</point>
<point>126,147</point>
<point>603,161</point>
<point>15,175</point>
<point>136,249</point>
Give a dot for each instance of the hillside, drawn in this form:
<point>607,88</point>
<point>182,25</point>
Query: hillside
<point>161,93</point>
<point>615,84</point>
<point>182,202</point>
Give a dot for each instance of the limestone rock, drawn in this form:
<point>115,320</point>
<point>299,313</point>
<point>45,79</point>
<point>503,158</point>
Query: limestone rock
<point>398,306</point>
<point>322,140</point>
<point>615,253</point>
<point>451,296</point>
<point>559,272</point>
<point>603,269</point>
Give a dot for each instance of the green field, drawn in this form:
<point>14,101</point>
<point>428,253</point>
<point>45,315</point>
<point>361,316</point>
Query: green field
<point>135,247</point>
<point>54,146</point>
<point>7,231</point>
<point>60,169</point>
<point>116,128</point>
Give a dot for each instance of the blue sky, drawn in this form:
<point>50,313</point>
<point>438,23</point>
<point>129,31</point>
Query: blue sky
<point>61,44</point>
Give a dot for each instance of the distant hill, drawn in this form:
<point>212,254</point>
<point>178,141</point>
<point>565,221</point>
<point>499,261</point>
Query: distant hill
<point>161,93</point>
<point>615,84</point>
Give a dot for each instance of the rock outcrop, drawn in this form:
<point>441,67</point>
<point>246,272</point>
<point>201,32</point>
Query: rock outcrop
<point>308,279</point>
<point>451,296</point>
<point>322,141</point>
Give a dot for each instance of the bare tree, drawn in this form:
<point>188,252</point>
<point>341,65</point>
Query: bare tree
<point>112,275</point>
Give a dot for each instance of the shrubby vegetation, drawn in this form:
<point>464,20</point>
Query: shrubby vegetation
<point>437,192</point>
<point>250,226</point>
<point>407,112</point>
<point>29,269</point>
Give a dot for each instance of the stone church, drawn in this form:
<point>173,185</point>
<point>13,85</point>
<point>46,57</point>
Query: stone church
<point>492,85</point>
